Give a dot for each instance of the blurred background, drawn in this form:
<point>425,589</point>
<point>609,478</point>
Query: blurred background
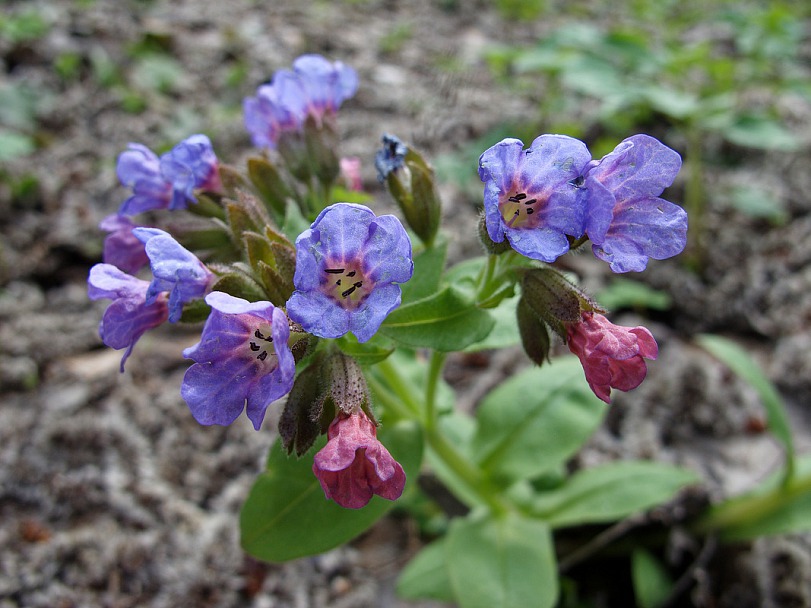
<point>112,496</point>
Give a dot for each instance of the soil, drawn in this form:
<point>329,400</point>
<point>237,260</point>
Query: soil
<point>113,496</point>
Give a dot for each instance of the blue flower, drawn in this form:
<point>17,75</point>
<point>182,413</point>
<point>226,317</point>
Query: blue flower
<point>167,182</point>
<point>121,247</point>
<point>348,266</point>
<point>138,168</point>
<point>129,315</point>
<point>627,221</point>
<point>314,87</point>
<point>242,358</point>
<point>189,166</point>
<point>532,197</point>
<point>175,269</point>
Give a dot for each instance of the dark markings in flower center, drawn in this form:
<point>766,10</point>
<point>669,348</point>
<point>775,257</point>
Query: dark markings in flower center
<point>519,198</point>
<point>256,347</point>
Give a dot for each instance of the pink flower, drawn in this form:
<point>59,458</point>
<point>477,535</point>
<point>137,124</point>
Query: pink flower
<point>354,465</point>
<point>612,356</point>
<point>350,173</point>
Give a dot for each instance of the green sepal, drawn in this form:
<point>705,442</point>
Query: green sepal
<point>270,185</point>
<point>195,311</point>
<point>552,298</point>
<point>304,417</point>
<point>533,331</point>
<point>238,282</point>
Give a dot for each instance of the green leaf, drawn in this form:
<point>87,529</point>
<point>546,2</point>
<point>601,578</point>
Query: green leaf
<point>739,361</point>
<point>652,583</point>
<point>375,350</point>
<point>505,331</point>
<point>426,575</point>
<point>286,515</point>
<point>446,321</point>
<point>428,267</point>
<point>761,132</point>
<point>757,202</point>
<point>501,563</point>
<point>15,145</point>
<point>536,420</point>
<point>610,492</point>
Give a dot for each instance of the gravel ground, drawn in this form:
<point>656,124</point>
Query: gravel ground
<point>111,495</point>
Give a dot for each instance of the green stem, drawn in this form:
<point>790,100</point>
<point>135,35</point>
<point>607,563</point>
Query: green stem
<point>434,374</point>
<point>399,390</point>
<point>750,509</point>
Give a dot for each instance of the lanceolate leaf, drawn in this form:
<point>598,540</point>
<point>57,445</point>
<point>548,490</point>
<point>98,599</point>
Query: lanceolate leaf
<point>501,563</point>
<point>286,515</point>
<point>536,420</point>
<point>744,366</point>
<point>446,321</point>
<point>610,492</point>
<point>426,575</point>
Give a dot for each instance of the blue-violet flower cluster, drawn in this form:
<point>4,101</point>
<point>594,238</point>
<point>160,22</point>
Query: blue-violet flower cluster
<point>314,87</point>
<point>542,198</point>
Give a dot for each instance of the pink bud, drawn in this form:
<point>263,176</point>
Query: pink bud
<point>354,465</point>
<point>350,173</point>
<point>612,356</point>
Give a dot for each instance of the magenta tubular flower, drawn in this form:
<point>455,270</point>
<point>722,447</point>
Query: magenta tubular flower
<point>242,359</point>
<point>175,269</point>
<point>530,196</point>
<point>138,168</point>
<point>627,221</point>
<point>348,266</point>
<point>191,165</point>
<point>314,87</point>
<point>612,356</point>
<point>354,465</point>
<point>129,316</point>
<point>121,247</point>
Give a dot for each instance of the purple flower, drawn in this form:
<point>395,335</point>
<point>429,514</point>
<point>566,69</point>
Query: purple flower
<point>242,357</point>
<point>612,356</point>
<point>531,196</point>
<point>129,315</point>
<point>314,87</point>
<point>348,264</point>
<point>627,221</point>
<point>168,182</point>
<point>189,166</point>
<point>354,465</point>
<point>138,168</point>
<point>121,247</point>
<point>175,269</point>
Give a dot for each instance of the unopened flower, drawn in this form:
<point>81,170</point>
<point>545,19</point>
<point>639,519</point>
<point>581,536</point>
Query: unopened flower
<point>121,247</point>
<point>129,315</point>
<point>612,356</point>
<point>348,266</point>
<point>189,166</point>
<point>175,269</point>
<point>354,465</point>
<point>138,168</point>
<point>314,87</point>
<point>390,157</point>
<point>531,197</point>
<point>627,221</point>
<point>242,362</point>
<point>350,173</point>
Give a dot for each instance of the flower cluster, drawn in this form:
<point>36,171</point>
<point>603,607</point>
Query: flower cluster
<point>277,303</point>
<point>543,198</point>
<point>313,88</point>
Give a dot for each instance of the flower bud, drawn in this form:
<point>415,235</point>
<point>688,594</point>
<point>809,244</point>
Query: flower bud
<point>534,334</point>
<point>268,181</point>
<point>410,181</point>
<point>305,416</point>
<point>552,298</point>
